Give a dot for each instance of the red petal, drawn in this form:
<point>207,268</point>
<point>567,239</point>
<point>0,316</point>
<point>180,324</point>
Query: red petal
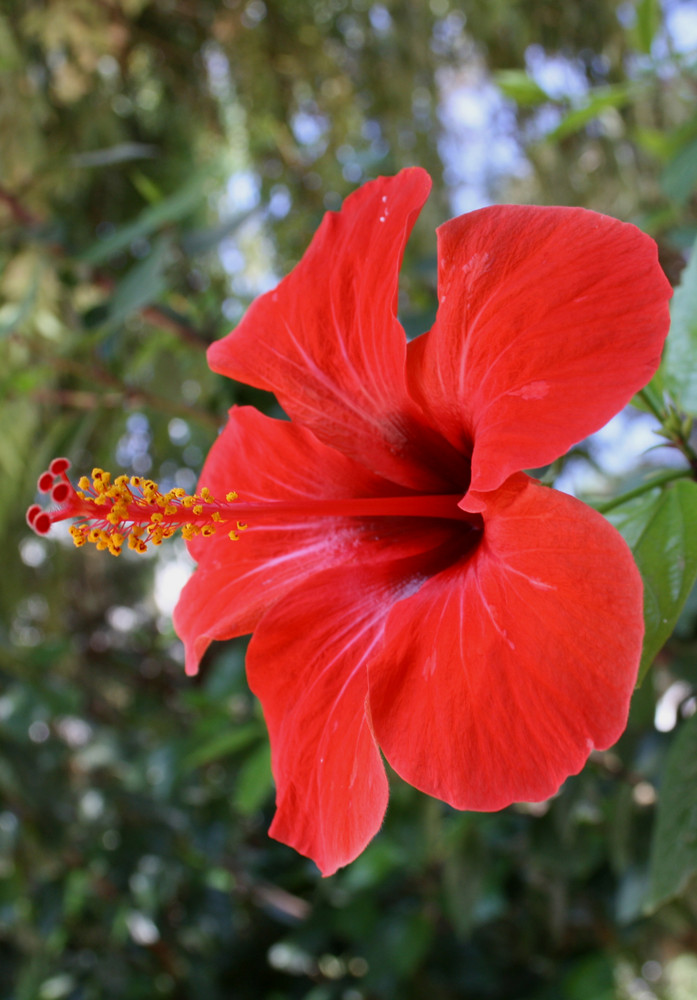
<point>236,582</point>
<point>327,340</point>
<point>307,663</point>
<point>550,319</point>
<point>501,674</point>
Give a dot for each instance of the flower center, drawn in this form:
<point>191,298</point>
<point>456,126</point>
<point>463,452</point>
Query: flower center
<point>135,511</point>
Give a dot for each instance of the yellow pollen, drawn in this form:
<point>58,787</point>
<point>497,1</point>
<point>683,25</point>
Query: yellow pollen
<point>133,512</point>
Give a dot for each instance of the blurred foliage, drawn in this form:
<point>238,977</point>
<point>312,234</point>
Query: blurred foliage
<point>161,162</point>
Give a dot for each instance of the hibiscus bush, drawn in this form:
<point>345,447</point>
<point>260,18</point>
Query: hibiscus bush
<point>464,590</point>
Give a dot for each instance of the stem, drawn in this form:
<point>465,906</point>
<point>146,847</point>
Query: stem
<point>661,480</point>
<point>649,399</point>
<point>683,445</point>
<point>673,434</point>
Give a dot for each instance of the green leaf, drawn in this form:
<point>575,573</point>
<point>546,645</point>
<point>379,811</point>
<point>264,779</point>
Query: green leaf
<point>221,745</point>
<point>255,782</point>
<point>679,178</point>
<point>603,97</point>
<point>521,88</point>
<point>674,849</point>
<point>661,529</point>
<point>202,240</point>
<point>169,210</point>
<point>144,283</point>
<point>648,21</point>
<point>680,360</point>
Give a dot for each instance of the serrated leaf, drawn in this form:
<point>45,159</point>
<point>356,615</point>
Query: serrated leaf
<point>661,530</point>
<point>674,849</point>
<point>680,361</point>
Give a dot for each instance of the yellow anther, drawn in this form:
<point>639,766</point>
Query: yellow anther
<point>137,513</point>
<point>101,480</point>
<point>78,535</point>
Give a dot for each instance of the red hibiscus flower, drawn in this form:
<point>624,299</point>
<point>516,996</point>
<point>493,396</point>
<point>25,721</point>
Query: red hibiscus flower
<point>409,589</point>
<point>420,595</point>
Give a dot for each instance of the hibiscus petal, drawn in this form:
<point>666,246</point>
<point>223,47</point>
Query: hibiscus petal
<point>327,340</point>
<point>549,320</point>
<point>307,662</point>
<point>236,582</point>
<point>501,674</point>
